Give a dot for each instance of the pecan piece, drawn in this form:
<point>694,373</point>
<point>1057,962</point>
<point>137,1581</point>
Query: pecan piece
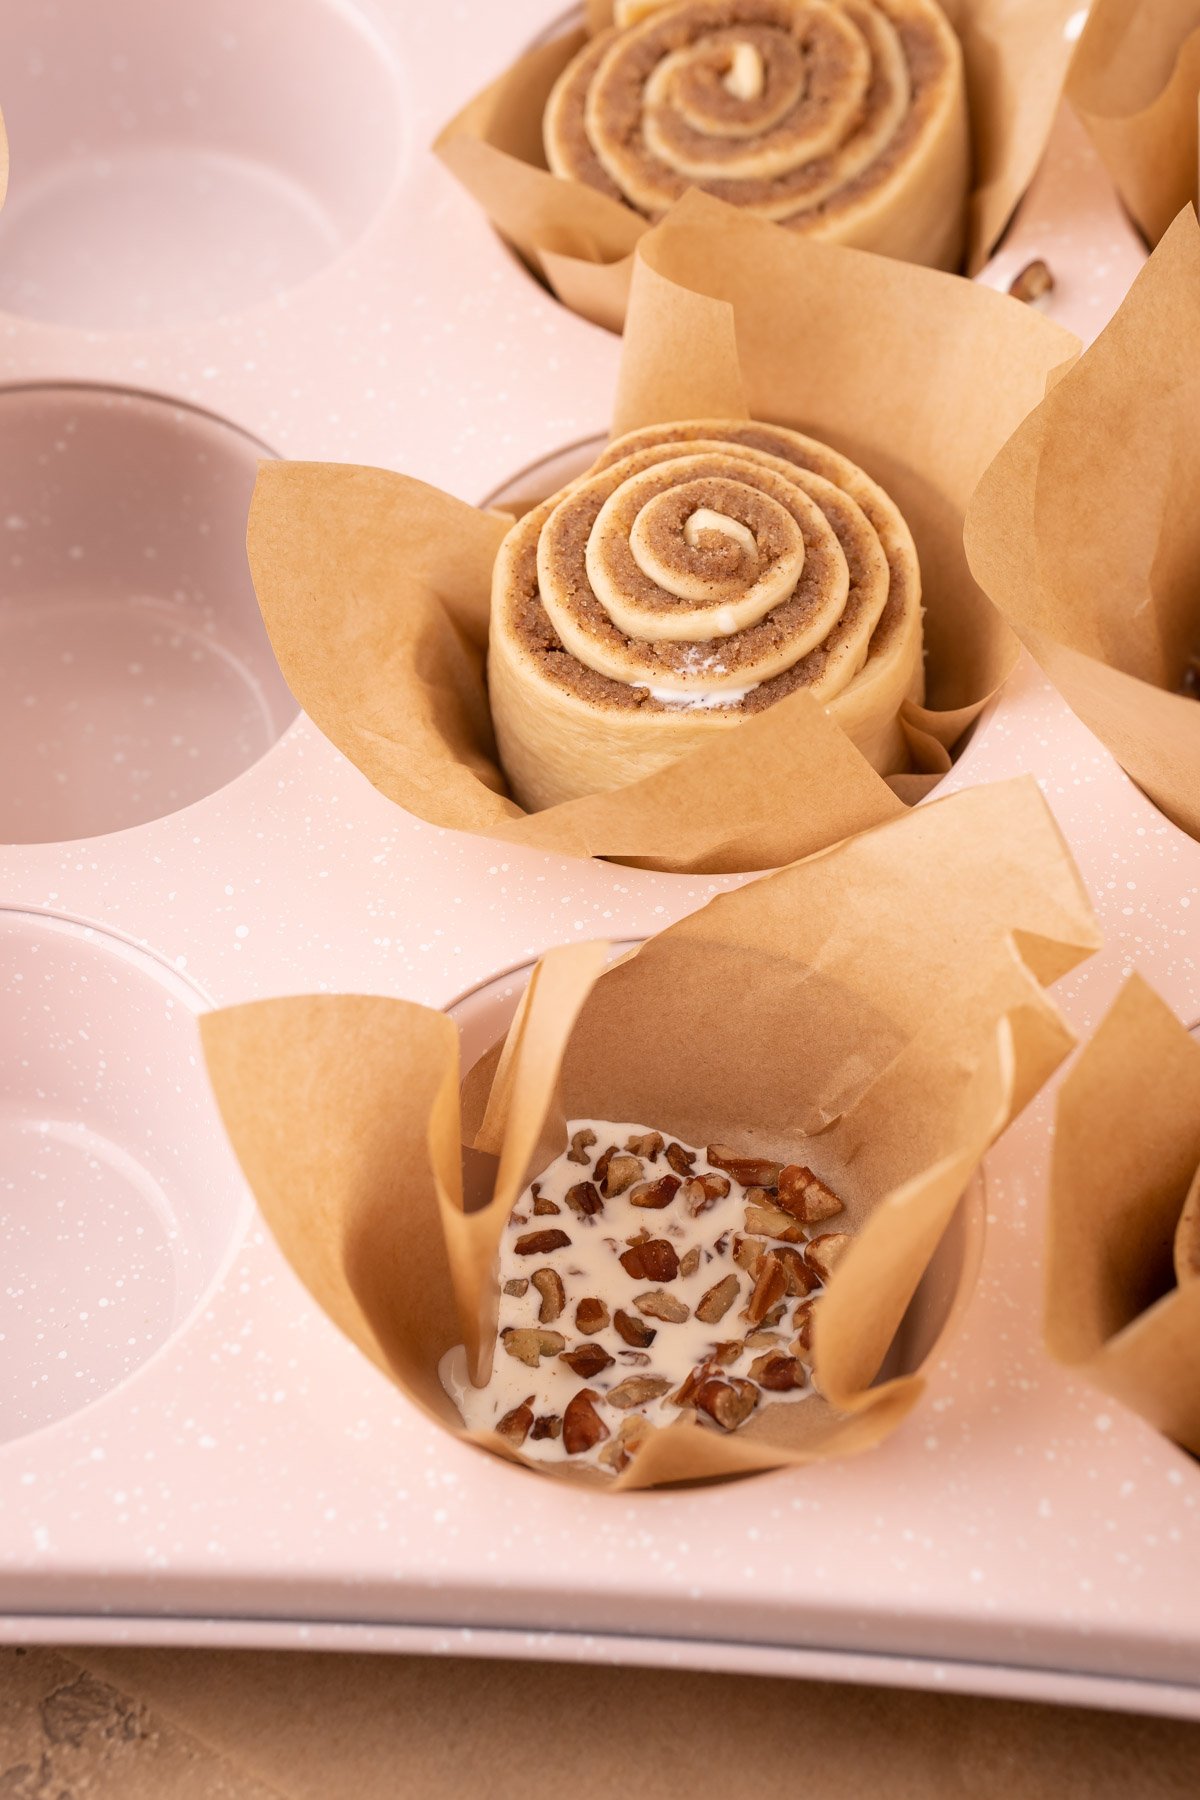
<point>726,1399</point>
<point>761,1340</point>
<point>530,1343</point>
<point>751,1171</point>
<point>517,1286</point>
<point>631,1434</point>
<point>747,1254</point>
<point>591,1315</point>
<point>657,1305</point>
<point>689,1262</point>
<point>770,1287</point>
<point>548,1283</point>
<point>602,1162</point>
<point>515,1426</point>
<point>805,1197</point>
<point>1032,282</point>
<point>655,1194</point>
<point>824,1253</point>
<point>800,1278</point>
<point>638,1359</point>
<point>582,1426</point>
<point>580,1142</point>
<point>635,1390</point>
<point>654,1260</point>
<point>703,1191</point>
<point>777,1372</point>
<point>584,1199</point>
<point>648,1146</point>
<point>587,1360</point>
<point>717,1301</point>
<point>726,1352</point>
<point>542,1207</point>
<point>802,1324</point>
<point>549,1425</point>
<point>634,1331</point>
<point>621,1173</point>
<point>766,1221</point>
<point>541,1243</point>
<point>681,1160</point>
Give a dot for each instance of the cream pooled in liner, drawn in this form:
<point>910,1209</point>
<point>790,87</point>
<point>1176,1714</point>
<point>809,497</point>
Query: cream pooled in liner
<point>697,574</point>
<point>639,1277</point>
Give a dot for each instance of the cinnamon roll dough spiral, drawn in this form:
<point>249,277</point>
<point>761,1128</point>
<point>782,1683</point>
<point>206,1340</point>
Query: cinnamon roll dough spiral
<point>842,118</point>
<point>696,574</point>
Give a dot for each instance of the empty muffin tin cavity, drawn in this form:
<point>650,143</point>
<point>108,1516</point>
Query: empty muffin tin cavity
<point>176,162</point>
<point>119,1197</point>
<point>135,673</point>
<point>484,1014</point>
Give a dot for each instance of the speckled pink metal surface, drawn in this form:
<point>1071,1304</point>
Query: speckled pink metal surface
<point>188,1450</point>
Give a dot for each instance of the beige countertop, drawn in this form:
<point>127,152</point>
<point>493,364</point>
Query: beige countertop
<point>193,1725</point>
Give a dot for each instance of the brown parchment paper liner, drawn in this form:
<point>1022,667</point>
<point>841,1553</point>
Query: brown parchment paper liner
<point>375,589</point>
<point>1135,83</point>
<point>1085,531</point>
<point>1015,56</point>
<point>885,996</point>
<point>1126,1155</point>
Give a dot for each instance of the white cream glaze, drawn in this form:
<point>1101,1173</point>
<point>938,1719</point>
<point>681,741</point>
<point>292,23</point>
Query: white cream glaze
<point>591,1267</point>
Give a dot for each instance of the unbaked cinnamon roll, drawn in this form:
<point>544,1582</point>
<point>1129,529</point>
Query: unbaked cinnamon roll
<point>842,118</point>
<point>695,575</point>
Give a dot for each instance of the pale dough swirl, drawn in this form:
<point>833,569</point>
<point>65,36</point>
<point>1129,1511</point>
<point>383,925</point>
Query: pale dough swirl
<point>842,118</point>
<point>696,574</point>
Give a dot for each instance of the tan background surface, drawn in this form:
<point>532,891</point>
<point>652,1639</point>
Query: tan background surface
<point>191,1725</point>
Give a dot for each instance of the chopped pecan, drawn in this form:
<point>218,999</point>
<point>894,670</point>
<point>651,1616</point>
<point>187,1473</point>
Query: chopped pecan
<point>529,1343</point>
<point>800,1278</point>
<point>591,1315</point>
<point>654,1260</point>
<point>515,1426</point>
<point>761,1339</point>
<point>685,1393</point>
<point>541,1243</point>
<point>777,1372</point>
<point>587,1360</point>
<point>766,1221</point>
<point>602,1162</point>
<point>805,1196</point>
<point>747,1254</point>
<point>635,1390</point>
<point>584,1199</point>
<point>751,1171</point>
<point>631,1435</point>
<point>717,1301</point>
<point>681,1160</point>
<point>657,1305</point>
<point>1032,282</point>
<point>703,1191</point>
<point>727,1352</point>
<point>638,1359</point>
<point>770,1287</point>
<point>802,1323</point>
<point>582,1426</point>
<point>580,1143</point>
<point>634,1331</point>
<point>824,1253</point>
<point>689,1262</point>
<point>517,1286</point>
<point>543,1207</point>
<point>726,1399</point>
<point>548,1283</point>
<point>621,1173</point>
<point>655,1194</point>
<point>549,1425</point>
<point>648,1146</point>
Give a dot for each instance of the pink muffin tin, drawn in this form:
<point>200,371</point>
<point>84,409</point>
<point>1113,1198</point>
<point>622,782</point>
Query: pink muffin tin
<point>224,232</point>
